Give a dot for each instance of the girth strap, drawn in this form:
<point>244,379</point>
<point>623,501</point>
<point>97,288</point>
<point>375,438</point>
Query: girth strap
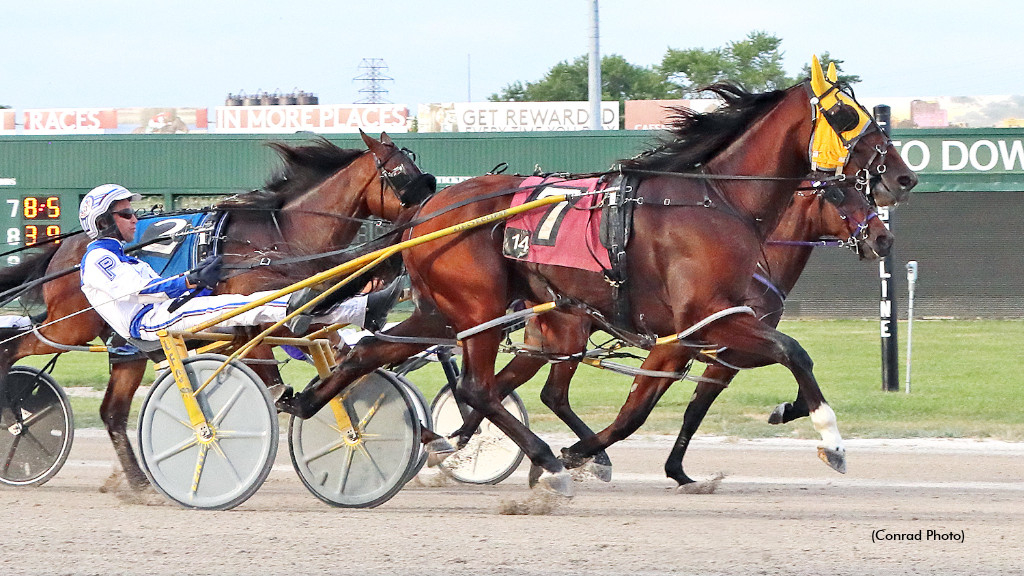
<point>616,229</point>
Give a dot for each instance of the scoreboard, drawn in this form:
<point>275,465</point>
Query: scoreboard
<point>30,218</point>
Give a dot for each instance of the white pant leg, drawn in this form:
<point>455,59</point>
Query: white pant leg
<point>351,311</point>
<point>203,308</point>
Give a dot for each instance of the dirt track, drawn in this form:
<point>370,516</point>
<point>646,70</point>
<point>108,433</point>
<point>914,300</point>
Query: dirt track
<point>777,511</point>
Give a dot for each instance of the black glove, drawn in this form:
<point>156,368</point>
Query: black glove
<point>206,274</point>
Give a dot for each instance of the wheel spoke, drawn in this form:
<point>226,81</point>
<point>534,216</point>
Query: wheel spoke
<point>235,434</point>
<point>345,469</point>
<point>365,452</point>
<point>234,473</point>
<point>200,465</point>
<point>327,449</point>
<point>10,453</point>
<point>370,413</point>
<point>159,406</point>
<point>176,449</point>
<point>232,400</point>
<point>37,415</point>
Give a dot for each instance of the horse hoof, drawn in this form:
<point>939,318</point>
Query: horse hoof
<point>602,472</point>
<point>534,475</point>
<point>835,458</point>
<point>437,450</point>
<point>560,483</point>
<point>776,416</point>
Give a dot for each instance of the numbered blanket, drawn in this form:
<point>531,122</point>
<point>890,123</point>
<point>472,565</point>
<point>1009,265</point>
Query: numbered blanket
<point>562,234</point>
<point>177,253</point>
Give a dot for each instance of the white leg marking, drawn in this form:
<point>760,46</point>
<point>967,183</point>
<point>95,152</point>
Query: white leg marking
<point>824,420</point>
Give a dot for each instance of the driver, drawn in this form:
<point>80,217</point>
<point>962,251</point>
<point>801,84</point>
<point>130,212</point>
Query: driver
<point>137,303</point>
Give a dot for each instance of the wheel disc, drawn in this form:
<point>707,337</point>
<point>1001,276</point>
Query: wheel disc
<point>36,427</point>
<point>357,451</point>
<point>218,471</point>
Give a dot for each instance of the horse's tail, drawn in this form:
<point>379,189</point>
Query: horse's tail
<point>29,269</point>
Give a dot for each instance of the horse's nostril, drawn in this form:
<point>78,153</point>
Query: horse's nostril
<point>907,181</point>
<point>883,244</point>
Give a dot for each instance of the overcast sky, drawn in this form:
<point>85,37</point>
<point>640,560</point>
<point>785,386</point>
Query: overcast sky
<point>192,53</point>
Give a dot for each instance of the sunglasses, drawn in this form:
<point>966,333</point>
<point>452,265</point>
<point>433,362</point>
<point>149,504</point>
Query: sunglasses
<point>126,214</point>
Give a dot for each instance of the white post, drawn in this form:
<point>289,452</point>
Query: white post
<point>911,284</point>
<point>594,77</point>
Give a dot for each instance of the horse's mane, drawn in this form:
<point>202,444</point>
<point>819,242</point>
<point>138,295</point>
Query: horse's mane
<point>694,138</point>
<point>305,167</point>
<point>28,270</point>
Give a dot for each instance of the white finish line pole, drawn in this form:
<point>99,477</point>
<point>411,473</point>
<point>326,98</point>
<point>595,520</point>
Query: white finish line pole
<point>911,284</point>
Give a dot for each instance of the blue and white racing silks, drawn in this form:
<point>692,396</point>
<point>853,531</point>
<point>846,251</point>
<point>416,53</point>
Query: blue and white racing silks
<point>119,287</point>
<point>135,301</point>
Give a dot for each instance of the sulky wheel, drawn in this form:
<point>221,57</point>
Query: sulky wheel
<point>215,471</point>
<point>426,421</point>
<point>490,456</point>
<point>36,427</point>
<point>358,451</point>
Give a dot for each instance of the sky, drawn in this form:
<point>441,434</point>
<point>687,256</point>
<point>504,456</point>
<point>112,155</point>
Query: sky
<point>192,53</point>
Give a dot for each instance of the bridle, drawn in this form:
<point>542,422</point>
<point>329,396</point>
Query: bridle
<point>408,188</point>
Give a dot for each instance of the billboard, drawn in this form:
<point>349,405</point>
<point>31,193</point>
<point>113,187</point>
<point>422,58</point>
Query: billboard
<point>327,119</point>
<point>113,120</point>
<point>513,116</point>
<point>6,121</point>
<point>654,114</point>
<point>953,111</point>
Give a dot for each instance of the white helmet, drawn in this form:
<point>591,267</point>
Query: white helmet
<point>97,202</point>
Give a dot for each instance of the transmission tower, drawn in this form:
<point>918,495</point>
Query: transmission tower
<point>374,75</point>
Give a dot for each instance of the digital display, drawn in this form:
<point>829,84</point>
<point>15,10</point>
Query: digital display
<point>35,234</point>
<point>40,207</point>
<point>36,218</point>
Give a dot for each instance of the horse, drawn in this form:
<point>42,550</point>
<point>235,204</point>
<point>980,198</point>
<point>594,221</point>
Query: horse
<point>274,237</point>
<point>713,192</point>
<point>814,215</point>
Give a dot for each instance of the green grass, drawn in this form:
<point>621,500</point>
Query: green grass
<point>966,382</point>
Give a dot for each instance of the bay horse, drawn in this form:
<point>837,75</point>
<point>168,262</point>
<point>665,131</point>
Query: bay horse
<point>316,202</point>
<point>816,217</point>
<point>730,174</point>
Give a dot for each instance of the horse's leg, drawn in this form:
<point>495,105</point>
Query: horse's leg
<point>478,391</point>
<point>643,396</point>
<point>516,373</point>
<point>744,333</point>
<point>125,377</point>
<point>789,411</point>
<point>714,380</point>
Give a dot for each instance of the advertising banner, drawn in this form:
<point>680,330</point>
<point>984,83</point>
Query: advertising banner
<point>524,116</point>
<point>655,114</point>
<point>953,111</point>
<point>161,120</point>
<point>69,120</point>
<point>113,121</point>
<point>324,119</point>
<point>6,121</point>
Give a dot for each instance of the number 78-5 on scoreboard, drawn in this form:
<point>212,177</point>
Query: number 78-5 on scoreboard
<point>33,219</point>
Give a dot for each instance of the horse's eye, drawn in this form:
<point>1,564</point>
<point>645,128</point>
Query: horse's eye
<point>842,117</point>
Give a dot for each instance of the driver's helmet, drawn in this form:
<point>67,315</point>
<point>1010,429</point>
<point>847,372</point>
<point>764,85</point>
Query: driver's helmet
<point>97,202</point>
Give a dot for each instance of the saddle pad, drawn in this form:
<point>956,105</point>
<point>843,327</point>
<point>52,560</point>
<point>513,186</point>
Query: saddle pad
<point>176,254</point>
<point>564,234</point>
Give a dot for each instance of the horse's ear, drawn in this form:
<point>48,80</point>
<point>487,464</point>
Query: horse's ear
<point>385,139</point>
<point>367,139</point>
<point>818,84</point>
<point>832,75</point>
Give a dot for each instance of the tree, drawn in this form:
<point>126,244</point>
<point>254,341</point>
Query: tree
<point>568,81</point>
<point>754,63</point>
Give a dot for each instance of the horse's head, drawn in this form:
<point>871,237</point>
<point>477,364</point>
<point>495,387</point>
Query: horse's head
<point>850,217</point>
<point>846,141</point>
<point>398,170</point>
